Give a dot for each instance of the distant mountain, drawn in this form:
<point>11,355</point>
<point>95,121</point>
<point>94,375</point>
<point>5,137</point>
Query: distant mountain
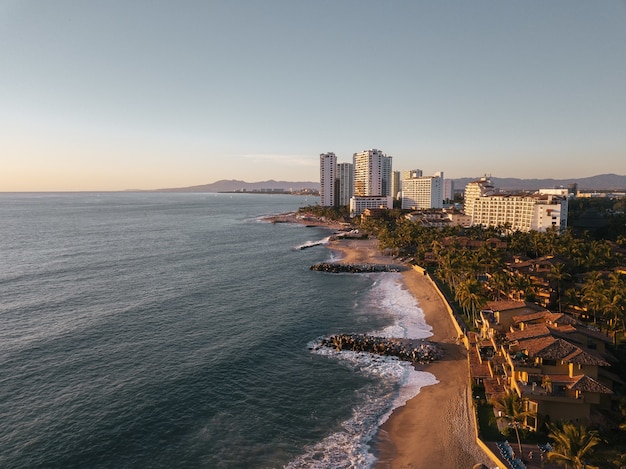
<point>606,182</point>
<point>226,185</point>
<point>602,182</point>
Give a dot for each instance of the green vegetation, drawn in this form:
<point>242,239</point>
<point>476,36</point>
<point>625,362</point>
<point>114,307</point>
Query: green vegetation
<point>574,445</point>
<point>580,271</point>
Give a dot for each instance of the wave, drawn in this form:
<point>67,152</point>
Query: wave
<point>350,447</point>
<point>310,244</point>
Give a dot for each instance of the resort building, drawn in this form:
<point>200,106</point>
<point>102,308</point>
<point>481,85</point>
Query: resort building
<point>359,204</point>
<point>328,180</point>
<point>474,190</point>
<point>423,192</point>
<point>345,174</point>
<point>536,212</point>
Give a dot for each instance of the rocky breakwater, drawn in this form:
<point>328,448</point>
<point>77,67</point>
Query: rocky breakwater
<point>416,351</point>
<point>336,268</point>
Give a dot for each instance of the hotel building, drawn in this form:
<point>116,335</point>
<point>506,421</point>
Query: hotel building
<point>425,192</point>
<point>530,212</point>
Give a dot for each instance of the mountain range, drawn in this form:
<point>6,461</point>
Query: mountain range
<point>602,182</point>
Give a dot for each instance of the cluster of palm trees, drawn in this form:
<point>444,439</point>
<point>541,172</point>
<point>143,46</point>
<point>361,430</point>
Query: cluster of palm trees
<point>587,282</point>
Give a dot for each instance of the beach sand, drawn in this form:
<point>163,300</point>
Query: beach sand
<point>434,429</point>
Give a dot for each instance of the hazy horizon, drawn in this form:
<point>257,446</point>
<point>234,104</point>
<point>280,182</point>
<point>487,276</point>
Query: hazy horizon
<point>119,96</point>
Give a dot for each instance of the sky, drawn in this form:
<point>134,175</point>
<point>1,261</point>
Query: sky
<point>149,94</point>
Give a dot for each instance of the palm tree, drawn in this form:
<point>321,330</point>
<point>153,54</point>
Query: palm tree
<point>573,445</point>
<point>512,409</point>
<point>471,296</point>
<point>559,274</point>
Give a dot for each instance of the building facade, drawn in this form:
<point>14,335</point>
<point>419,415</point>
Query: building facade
<point>396,184</point>
<point>474,190</point>
<point>358,205</point>
<point>328,180</point>
<point>531,212</point>
<point>372,173</point>
<point>422,193</point>
<point>345,174</point>
<point>411,173</point>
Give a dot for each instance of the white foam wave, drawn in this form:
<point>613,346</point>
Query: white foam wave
<point>389,295</point>
<point>350,448</point>
<point>310,244</point>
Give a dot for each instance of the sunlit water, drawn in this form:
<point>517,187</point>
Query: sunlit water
<point>174,330</point>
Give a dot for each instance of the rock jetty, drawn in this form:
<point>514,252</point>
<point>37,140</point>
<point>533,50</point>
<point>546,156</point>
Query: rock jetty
<point>356,268</point>
<point>416,351</point>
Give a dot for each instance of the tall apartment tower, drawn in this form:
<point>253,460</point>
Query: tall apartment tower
<point>345,174</point>
<point>372,174</point>
<point>328,176</point>
<point>396,184</point>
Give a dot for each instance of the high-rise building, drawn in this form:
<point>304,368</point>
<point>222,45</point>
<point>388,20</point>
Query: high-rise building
<point>328,176</point>
<point>420,193</point>
<point>372,173</point>
<point>345,174</point>
<point>448,189</point>
<point>396,184</point>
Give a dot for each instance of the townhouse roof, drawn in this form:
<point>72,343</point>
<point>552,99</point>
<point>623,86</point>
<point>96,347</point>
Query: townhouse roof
<point>532,331</point>
<point>588,384</point>
<point>553,348</point>
<point>480,370</point>
<point>493,387</point>
<point>507,305</point>
<point>582,383</point>
<point>547,316</point>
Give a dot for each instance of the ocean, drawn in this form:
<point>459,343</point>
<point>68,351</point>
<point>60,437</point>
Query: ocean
<point>160,330</point>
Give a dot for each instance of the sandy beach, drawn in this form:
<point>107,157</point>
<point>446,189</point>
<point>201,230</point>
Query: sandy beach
<point>435,428</point>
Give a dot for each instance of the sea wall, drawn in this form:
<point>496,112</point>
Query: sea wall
<point>335,268</point>
<point>416,351</point>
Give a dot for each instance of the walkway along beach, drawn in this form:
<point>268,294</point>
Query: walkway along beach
<point>436,428</point>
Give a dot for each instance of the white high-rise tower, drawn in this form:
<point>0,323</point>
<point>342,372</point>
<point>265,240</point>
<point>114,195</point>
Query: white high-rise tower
<point>372,173</point>
<point>328,176</point>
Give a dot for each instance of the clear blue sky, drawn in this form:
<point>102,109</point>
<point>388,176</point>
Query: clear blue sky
<point>145,94</point>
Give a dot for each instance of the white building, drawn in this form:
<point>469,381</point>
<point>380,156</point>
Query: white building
<point>411,173</point>
<point>530,212</point>
<point>474,190</point>
<point>560,191</point>
<point>345,174</point>
<point>372,173</point>
<point>359,204</point>
<point>422,193</point>
<point>328,176</point>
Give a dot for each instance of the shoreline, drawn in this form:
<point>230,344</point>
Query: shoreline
<point>424,433</point>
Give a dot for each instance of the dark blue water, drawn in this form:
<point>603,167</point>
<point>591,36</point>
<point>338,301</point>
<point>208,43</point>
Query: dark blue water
<point>173,330</point>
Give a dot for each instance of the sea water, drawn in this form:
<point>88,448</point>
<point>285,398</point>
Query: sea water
<point>176,330</point>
